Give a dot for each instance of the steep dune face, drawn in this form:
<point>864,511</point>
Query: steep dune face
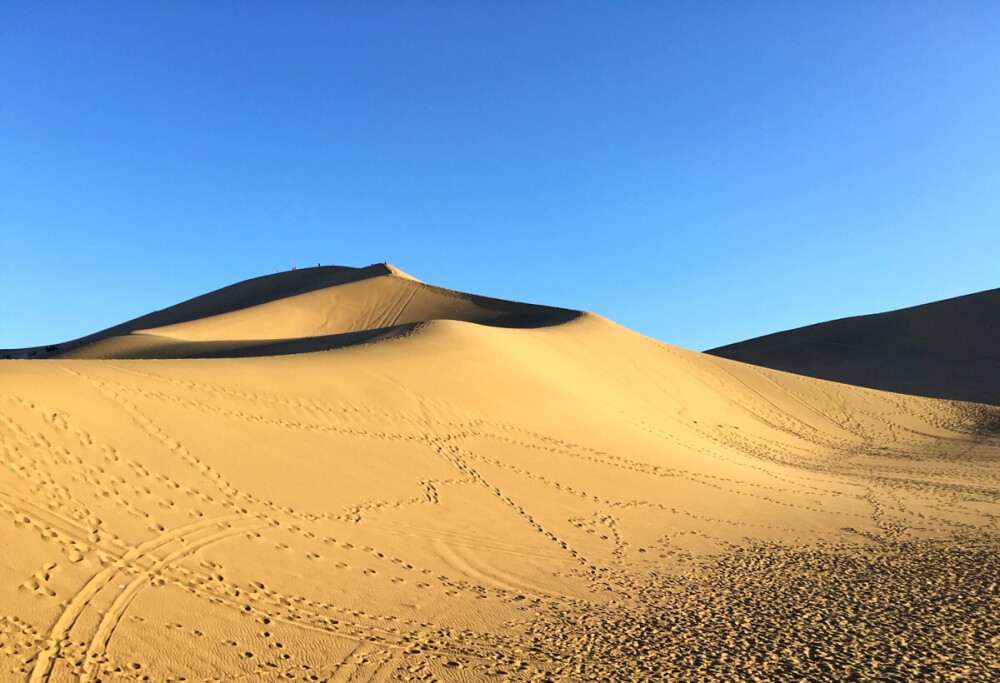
<point>947,349</point>
<point>473,501</point>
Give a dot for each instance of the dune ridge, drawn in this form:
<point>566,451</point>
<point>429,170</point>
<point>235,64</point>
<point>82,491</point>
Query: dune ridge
<point>469,500</point>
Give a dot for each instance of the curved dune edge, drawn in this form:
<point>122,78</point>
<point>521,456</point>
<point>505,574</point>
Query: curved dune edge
<point>144,345</point>
<point>473,502</point>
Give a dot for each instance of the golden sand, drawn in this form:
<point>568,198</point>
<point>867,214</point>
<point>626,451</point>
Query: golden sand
<point>477,490</point>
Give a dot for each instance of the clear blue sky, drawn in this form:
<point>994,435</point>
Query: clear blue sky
<point>700,172</point>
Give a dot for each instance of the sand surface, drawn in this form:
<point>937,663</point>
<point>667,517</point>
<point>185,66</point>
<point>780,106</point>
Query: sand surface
<point>484,492</point>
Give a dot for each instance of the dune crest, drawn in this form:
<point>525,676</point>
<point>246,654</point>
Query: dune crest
<point>501,492</point>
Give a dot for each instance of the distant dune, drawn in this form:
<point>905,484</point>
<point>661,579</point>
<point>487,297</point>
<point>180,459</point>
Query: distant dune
<point>946,349</point>
<point>383,480</point>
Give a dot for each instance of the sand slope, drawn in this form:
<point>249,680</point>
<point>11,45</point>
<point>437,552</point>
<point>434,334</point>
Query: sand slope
<point>946,349</point>
<point>473,502</point>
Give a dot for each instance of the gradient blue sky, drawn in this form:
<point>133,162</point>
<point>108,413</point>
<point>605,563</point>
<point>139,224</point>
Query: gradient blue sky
<point>700,172</point>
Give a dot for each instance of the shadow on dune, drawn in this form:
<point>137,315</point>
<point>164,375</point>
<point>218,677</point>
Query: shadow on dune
<point>165,348</point>
<point>947,349</point>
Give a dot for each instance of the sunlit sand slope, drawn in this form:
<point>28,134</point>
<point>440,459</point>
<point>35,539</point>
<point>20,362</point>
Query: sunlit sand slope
<point>473,502</point>
<point>946,349</point>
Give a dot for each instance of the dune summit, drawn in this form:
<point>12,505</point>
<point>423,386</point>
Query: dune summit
<point>493,491</point>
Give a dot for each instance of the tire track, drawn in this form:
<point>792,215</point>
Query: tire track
<point>82,598</point>
<point>109,622</point>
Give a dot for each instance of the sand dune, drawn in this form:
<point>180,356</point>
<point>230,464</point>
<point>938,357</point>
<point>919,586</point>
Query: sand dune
<point>293,312</point>
<point>496,493</point>
<point>946,349</point>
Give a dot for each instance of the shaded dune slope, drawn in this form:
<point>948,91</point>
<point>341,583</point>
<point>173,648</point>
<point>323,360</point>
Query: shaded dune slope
<point>296,312</point>
<point>946,349</point>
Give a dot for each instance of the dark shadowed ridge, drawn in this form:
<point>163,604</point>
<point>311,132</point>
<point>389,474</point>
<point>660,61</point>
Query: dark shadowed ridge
<point>946,349</point>
<point>285,285</point>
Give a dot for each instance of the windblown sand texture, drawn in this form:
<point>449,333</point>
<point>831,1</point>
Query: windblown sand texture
<point>449,487</point>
